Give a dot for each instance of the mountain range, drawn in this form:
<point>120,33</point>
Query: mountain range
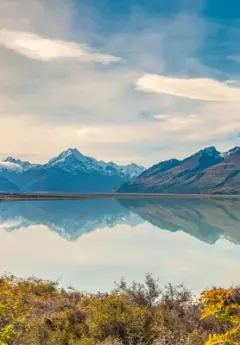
<point>207,171</point>
<point>70,171</point>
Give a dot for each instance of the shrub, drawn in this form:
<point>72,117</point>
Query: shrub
<point>38,312</point>
<point>224,305</point>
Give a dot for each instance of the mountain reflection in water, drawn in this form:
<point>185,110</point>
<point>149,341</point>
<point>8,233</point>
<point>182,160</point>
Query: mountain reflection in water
<point>206,220</point>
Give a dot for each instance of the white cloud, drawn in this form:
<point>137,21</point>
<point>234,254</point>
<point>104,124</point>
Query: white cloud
<point>211,123</point>
<point>39,48</point>
<point>95,108</point>
<point>192,88</point>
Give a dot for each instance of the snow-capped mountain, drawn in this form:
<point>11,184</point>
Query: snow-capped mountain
<point>70,171</point>
<point>18,165</point>
<point>132,169</point>
<point>72,160</point>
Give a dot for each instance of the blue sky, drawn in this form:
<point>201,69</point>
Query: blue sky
<point>121,80</point>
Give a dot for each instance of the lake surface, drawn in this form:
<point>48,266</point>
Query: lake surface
<point>89,244</point>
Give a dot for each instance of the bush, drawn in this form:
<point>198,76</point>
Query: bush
<point>38,312</point>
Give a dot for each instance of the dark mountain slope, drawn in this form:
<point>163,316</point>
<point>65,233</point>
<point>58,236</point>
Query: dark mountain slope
<point>5,184</point>
<point>207,171</point>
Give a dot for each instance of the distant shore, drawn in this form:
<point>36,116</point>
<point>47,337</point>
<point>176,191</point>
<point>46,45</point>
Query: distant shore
<point>78,196</point>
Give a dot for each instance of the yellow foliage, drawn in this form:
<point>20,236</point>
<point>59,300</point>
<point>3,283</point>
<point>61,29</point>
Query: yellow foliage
<point>38,312</point>
<point>224,304</point>
<point>115,315</point>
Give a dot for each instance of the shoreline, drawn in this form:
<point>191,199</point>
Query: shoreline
<point>79,196</point>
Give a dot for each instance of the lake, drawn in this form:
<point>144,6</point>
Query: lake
<point>89,244</point>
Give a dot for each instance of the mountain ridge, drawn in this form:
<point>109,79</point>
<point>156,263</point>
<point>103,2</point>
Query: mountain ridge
<point>70,171</point>
<point>206,171</point>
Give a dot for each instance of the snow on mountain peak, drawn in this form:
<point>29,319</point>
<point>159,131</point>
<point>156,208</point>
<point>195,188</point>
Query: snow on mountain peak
<point>73,160</point>
<point>67,153</point>
<point>132,169</point>
<point>72,152</point>
<point>23,165</point>
<point>9,166</point>
<point>10,159</point>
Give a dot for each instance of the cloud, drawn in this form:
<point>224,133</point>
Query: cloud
<point>183,134</point>
<point>39,48</point>
<point>96,107</point>
<point>209,123</point>
<point>191,88</point>
<point>179,122</point>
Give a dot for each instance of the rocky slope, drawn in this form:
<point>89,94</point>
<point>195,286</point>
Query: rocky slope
<point>207,171</point>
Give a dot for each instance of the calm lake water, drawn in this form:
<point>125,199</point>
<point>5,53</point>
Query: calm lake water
<point>89,244</point>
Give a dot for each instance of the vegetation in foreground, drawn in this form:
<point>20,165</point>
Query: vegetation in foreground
<point>37,312</point>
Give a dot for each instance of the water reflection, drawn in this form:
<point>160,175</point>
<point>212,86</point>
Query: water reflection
<point>194,242</point>
<point>207,220</point>
<point>70,219</point>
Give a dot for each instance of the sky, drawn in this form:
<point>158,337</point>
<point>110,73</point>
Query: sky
<point>121,80</point>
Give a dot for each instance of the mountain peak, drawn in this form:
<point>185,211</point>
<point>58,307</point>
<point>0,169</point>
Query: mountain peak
<point>25,165</point>
<point>236,149</point>
<point>233,151</point>
<point>11,160</point>
<point>135,165</point>
<point>210,151</point>
<point>74,161</point>
<point>72,152</point>
<point>69,154</point>
<point>205,153</point>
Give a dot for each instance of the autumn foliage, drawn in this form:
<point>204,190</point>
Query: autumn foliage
<point>224,305</point>
<point>37,312</point>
